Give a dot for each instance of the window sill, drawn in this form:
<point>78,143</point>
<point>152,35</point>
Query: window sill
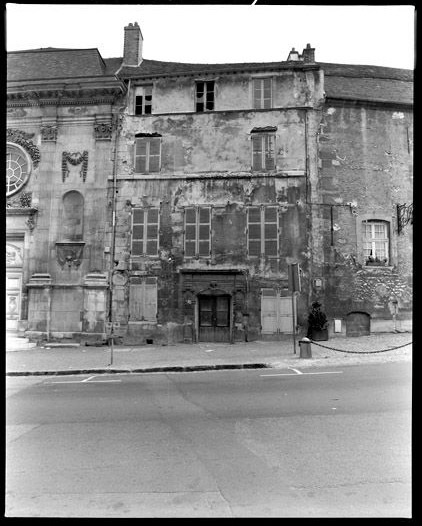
<point>377,267</point>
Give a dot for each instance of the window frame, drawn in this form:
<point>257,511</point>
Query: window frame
<point>263,137</point>
<point>141,92</point>
<point>261,89</point>
<point>373,240</point>
<point>148,156</point>
<point>205,95</point>
<point>263,238</point>
<point>144,239</point>
<point>198,239</point>
<point>15,149</point>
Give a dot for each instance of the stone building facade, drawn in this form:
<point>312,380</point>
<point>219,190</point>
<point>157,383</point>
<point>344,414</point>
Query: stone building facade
<point>60,136</point>
<point>171,200</point>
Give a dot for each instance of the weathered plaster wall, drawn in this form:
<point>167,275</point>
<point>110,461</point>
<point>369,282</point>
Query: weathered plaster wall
<point>291,88</point>
<point>216,142</point>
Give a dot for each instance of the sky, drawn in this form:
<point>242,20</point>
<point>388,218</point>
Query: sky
<point>381,35</point>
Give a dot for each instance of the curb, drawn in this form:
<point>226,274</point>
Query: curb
<point>168,369</point>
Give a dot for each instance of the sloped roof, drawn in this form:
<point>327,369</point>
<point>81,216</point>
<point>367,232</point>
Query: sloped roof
<point>371,83</point>
<point>53,63</point>
<point>348,81</point>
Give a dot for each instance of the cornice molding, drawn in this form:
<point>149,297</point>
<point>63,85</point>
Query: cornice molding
<point>64,97</point>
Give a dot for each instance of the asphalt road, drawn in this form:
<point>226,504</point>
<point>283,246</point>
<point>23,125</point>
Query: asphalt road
<point>246,443</point>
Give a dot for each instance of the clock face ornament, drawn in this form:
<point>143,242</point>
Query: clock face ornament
<point>17,169</point>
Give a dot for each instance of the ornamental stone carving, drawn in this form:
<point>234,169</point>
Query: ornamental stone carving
<point>74,159</point>
<point>103,130</point>
<point>49,133</point>
<point>69,253</point>
<point>23,139</point>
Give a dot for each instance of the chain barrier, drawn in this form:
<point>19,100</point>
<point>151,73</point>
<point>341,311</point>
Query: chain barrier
<point>361,352</point>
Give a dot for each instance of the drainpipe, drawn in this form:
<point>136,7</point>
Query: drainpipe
<point>113,232</point>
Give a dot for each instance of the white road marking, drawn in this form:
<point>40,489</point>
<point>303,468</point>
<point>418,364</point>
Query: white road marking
<point>290,374</point>
<point>296,370</point>
<point>86,380</point>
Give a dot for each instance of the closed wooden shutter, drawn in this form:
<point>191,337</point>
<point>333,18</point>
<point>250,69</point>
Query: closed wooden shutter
<point>145,231</point>
<point>276,312</point>
<point>143,300</point>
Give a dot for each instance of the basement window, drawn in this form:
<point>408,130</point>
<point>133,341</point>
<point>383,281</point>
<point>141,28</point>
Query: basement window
<point>204,100</point>
<point>143,100</point>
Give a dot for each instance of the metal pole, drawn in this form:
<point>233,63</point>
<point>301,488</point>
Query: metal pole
<point>294,322</point>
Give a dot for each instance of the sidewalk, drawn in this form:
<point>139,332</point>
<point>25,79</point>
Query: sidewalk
<point>206,356</point>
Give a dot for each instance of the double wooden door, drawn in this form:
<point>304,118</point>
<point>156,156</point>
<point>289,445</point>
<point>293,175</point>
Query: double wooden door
<point>214,318</point>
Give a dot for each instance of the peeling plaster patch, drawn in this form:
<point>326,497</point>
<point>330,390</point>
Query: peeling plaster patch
<point>338,200</point>
<point>398,115</point>
<point>331,111</point>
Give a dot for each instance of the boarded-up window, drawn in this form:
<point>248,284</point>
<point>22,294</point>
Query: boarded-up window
<point>263,231</point>
<point>262,93</point>
<point>204,100</point>
<point>263,151</point>
<point>73,216</point>
<point>143,100</point>
<point>145,229</point>
<point>197,231</point>
<point>147,154</point>
<point>143,299</point>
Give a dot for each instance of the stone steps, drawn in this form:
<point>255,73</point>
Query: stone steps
<point>16,343</point>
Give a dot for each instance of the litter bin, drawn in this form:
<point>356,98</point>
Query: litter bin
<point>305,348</point>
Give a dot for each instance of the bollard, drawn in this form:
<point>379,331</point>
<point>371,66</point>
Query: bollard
<point>305,348</point>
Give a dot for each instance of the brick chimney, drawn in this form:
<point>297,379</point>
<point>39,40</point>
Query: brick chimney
<point>132,50</point>
<point>308,54</point>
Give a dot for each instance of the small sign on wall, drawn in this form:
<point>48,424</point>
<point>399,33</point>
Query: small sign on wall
<point>337,325</point>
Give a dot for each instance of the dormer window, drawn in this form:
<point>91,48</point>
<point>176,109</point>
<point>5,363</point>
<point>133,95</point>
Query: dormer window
<point>143,100</point>
<point>204,100</point>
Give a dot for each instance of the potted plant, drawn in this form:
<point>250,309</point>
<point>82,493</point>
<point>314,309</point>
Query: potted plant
<point>317,323</point>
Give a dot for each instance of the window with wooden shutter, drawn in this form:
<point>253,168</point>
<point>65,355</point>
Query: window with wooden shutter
<point>145,231</point>
<point>262,93</point>
<point>263,231</point>
<point>143,299</point>
<point>147,154</point>
<point>198,231</point>
<point>263,151</point>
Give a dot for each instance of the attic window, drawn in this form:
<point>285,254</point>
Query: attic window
<point>143,100</point>
<point>205,95</point>
<point>262,93</point>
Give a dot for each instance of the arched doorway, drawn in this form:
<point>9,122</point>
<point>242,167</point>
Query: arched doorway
<point>214,315</point>
<point>358,324</point>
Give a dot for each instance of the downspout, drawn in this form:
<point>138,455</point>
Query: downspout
<point>117,127</point>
